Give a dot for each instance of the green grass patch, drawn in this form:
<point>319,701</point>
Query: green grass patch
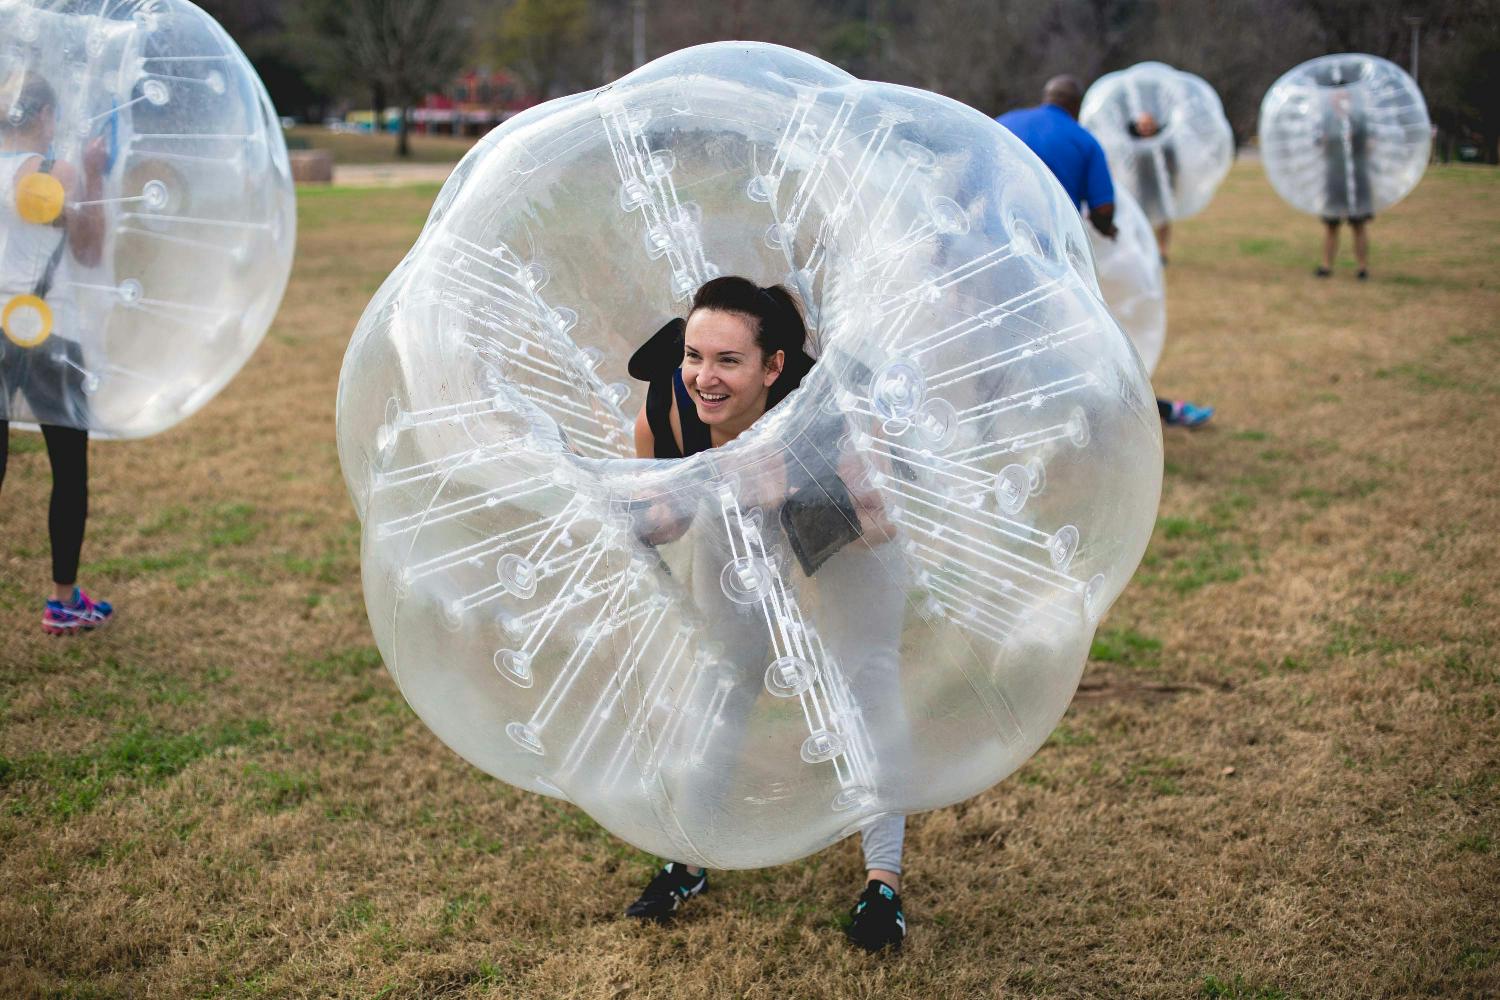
<point>231,524</point>
<point>1214,988</point>
<point>1218,561</point>
<point>354,914</point>
<point>1261,246</point>
<point>349,207</point>
<point>1464,666</point>
<point>1320,497</point>
<point>1124,645</point>
<point>141,756</point>
<point>276,791</point>
<point>1477,843</point>
<point>1355,638</point>
<point>1477,957</point>
<point>27,444</point>
<point>354,662</point>
<point>1160,775</point>
<point>168,521</point>
<point>1184,527</point>
<point>1070,736</point>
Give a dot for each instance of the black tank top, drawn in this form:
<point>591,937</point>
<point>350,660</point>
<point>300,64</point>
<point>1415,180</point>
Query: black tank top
<point>659,396</point>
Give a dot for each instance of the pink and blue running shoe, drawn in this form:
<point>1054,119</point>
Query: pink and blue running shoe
<point>1181,413</point>
<point>80,614</point>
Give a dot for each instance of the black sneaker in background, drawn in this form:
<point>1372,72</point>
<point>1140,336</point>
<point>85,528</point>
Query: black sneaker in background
<point>666,891</point>
<point>877,920</point>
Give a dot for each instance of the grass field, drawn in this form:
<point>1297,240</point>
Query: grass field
<point>1280,779</point>
<point>364,147</point>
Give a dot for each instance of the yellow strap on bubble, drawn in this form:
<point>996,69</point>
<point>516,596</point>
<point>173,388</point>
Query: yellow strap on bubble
<point>27,320</point>
<point>39,199</point>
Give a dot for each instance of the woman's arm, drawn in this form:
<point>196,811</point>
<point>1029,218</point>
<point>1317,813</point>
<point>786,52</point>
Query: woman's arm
<point>874,521</point>
<point>85,224</point>
<point>657,523</point>
<point>645,441</point>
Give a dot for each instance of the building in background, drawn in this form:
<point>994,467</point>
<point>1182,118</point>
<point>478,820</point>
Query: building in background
<point>471,105</point>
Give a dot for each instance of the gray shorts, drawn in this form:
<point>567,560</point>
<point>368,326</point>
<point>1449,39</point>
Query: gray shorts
<point>48,378</point>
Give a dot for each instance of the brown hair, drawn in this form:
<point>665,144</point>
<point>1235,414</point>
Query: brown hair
<point>778,324</point>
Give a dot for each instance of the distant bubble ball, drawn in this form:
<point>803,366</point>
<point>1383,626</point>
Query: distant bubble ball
<point>1131,278</point>
<point>1344,136</point>
<point>1165,136</point>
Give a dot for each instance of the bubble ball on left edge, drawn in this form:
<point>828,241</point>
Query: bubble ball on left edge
<point>1165,136</point>
<point>879,597</point>
<point>148,213</point>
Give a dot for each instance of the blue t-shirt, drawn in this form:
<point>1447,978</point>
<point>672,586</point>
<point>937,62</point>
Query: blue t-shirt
<point>1073,156</point>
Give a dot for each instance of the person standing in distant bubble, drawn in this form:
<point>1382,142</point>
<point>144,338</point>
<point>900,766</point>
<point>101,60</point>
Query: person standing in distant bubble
<point>1144,126</point>
<point>1346,156</point>
<point>1077,160</point>
<point>50,217</point>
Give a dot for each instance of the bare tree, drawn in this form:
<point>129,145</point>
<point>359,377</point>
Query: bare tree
<point>549,45</point>
<point>402,49</point>
<point>991,54</point>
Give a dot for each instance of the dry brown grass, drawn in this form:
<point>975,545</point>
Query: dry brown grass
<point>224,795</point>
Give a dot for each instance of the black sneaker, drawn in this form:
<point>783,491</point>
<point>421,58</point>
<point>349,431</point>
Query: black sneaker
<point>877,920</point>
<point>665,893</point>
<point>1323,272</point>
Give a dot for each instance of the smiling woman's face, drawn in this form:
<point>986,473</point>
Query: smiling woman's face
<point>725,372</point>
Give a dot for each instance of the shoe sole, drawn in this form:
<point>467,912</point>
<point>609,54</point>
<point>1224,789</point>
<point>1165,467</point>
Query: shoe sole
<point>75,628</point>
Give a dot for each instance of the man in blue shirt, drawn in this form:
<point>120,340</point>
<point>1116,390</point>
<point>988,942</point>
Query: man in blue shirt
<point>1074,156</point>
<point>1076,159</point>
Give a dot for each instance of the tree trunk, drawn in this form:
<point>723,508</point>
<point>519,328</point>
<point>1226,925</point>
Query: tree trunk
<point>403,147</point>
<point>377,104</point>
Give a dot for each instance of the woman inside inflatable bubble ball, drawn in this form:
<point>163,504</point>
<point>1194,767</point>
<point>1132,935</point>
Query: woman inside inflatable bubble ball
<point>740,351</point>
<point>1343,137</point>
<point>819,608</point>
<point>52,218</point>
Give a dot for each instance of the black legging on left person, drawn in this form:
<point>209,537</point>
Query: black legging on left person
<point>68,451</point>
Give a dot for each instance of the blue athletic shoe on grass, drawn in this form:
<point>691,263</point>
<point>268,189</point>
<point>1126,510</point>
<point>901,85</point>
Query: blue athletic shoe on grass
<point>80,614</point>
<point>1185,414</point>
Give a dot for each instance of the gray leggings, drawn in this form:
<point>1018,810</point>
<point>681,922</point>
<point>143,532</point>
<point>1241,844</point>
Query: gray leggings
<point>863,632</point>
<point>881,841</point>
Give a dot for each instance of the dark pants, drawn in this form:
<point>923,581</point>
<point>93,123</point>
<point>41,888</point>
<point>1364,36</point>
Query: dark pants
<point>48,378</point>
<point>68,451</point>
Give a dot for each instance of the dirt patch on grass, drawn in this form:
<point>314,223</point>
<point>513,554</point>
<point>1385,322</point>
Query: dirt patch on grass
<point>1280,779</point>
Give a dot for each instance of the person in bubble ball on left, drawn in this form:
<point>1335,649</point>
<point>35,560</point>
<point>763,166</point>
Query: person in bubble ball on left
<point>49,219</point>
<point>1076,159</point>
<point>740,352</point>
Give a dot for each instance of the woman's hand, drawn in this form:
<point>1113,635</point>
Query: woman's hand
<point>661,522</point>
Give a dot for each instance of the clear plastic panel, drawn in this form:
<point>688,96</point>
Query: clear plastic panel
<point>1131,279</point>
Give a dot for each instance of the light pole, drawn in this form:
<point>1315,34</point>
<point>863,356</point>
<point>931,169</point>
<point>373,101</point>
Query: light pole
<point>638,9</point>
<point>1416,43</point>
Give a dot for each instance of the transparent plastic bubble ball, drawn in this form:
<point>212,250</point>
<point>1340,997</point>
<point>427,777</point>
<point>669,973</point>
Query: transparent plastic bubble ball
<point>1344,136</point>
<point>1131,280</point>
<point>880,597</point>
<point>147,217</point>
<point>1174,171</point>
